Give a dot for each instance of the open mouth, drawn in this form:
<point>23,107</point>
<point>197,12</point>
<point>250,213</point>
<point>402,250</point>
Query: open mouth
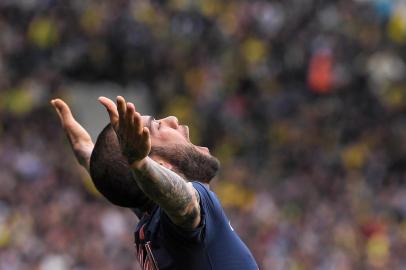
<point>200,148</point>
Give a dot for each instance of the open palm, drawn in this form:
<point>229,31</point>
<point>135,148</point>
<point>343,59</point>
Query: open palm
<point>79,139</point>
<point>134,138</point>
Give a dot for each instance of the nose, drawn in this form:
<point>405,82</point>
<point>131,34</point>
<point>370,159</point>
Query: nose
<point>171,121</point>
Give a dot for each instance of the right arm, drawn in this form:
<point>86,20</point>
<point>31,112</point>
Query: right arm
<point>126,193</point>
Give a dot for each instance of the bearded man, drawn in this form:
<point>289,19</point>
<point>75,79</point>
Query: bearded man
<point>152,167</point>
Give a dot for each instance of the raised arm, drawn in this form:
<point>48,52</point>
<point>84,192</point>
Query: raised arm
<point>79,139</point>
<point>170,191</point>
<point>178,198</point>
<point>107,168</point>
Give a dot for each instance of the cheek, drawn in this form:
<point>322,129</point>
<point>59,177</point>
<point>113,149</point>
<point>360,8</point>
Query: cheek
<point>167,135</point>
<point>164,138</point>
<point>155,140</point>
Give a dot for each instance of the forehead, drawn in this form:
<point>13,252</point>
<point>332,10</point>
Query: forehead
<point>146,120</point>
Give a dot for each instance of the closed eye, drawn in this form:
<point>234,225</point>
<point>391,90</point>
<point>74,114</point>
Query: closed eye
<point>157,122</point>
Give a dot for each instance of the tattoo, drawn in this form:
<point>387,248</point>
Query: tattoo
<point>171,192</point>
<point>189,219</point>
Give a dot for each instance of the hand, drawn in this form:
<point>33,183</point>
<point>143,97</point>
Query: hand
<point>79,139</point>
<point>134,138</point>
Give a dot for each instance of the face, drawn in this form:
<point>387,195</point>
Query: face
<point>171,142</point>
<point>168,131</point>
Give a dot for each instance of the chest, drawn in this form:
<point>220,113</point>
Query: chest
<point>149,244</point>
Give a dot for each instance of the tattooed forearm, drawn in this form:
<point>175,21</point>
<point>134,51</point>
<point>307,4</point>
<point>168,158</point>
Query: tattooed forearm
<point>178,198</point>
<point>192,217</point>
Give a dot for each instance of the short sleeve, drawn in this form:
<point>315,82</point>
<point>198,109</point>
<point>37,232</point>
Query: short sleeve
<point>208,201</point>
<point>208,211</point>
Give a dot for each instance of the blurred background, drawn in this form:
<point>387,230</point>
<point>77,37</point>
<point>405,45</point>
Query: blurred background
<point>303,101</point>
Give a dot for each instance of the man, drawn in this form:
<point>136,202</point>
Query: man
<point>183,225</point>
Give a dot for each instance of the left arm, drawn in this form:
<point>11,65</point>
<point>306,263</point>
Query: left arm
<point>178,199</point>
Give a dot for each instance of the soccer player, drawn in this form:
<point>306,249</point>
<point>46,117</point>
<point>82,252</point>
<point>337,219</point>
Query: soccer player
<point>182,224</point>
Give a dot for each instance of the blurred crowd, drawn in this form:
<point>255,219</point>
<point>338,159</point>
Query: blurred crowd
<point>303,101</point>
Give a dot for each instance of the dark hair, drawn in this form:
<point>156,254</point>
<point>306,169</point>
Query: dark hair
<point>111,173</point>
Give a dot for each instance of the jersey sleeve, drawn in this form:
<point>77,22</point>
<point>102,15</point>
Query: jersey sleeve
<point>210,209</point>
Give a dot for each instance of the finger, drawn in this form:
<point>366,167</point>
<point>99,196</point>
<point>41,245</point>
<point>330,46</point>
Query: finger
<point>138,123</point>
<point>145,133</point>
<point>74,131</point>
<point>121,107</point>
<point>57,112</point>
<point>136,119</point>
<point>146,137</point>
<point>111,109</point>
<point>129,119</point>
<point>63,111</point>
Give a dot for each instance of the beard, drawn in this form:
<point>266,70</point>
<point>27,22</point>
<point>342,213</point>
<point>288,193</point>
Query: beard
<point>187,160</point>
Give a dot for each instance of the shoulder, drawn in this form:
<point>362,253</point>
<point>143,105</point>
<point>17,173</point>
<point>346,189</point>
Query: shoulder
<point>202,190</point>
<point>208,199</point>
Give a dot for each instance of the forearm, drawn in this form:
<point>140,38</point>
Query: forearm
<point>83,154</point>
<point>170,191</point>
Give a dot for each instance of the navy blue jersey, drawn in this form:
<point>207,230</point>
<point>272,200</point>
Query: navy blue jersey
<point>214,245</point>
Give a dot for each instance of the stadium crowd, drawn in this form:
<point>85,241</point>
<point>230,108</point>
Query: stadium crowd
<point>303,101</point>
